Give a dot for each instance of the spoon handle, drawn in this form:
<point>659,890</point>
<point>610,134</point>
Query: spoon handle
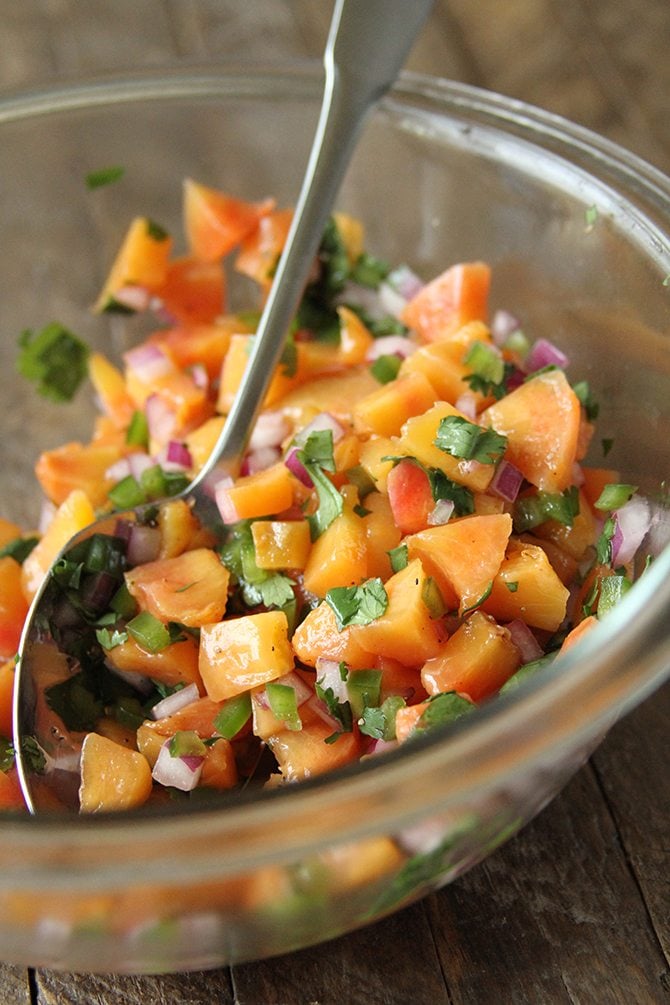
<point>367,45</point>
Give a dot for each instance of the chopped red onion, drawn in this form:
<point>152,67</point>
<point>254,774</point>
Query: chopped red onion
<point>175,702</point>
<point>296,467</point>
<point>523,638</point>
<point>148,362</point>
<point>328,676</point>
<point>659,529</point>
<point>324,420</point>
<point>161,419</point>
<point>405,281</point>
<point>503,324</point>
<point>391,345</point>
<point>544,353</point>
<point>139,461</point>
<point>441,513</point>
<point>362,297</point>
<point>382,746</point>
<point>259,460</point>
<point>144,544</point>
<point>506,481</point>
<point>177,772</point>
<point>467,404</point>
<point>47,513</point>
<point>321,709</point>
<point>178,453</point>
<point>200,376</point>
<point>139,681</point>
<point>390,301</point>
<point>223,501</point>
<point>632,521</point>
<point>119,470</point>
<point>270,430</point>
<point>135,298</point>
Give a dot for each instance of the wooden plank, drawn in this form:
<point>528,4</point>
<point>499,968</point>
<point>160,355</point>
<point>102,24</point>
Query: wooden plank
<point>14,985</point>
<point>633,772</point>
<point>110,989</point>
<point>391,963</point>
<point>555,916</point>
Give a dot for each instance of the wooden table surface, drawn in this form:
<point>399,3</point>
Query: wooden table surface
<point>575,909</point>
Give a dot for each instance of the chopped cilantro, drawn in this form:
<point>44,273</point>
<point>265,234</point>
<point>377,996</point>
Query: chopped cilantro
<point>512,587</point>
<point>363,481</point>
<point>464,439</point>
<point>76,702</point>
<point>55,359</point>
<point>588,402</point>
<point>18,548</point>
<point>317,457</point>
<point>480,600</point>
<point>289,357</point>
<point>489,370</point>
<point>6,754</point>
<point>33,754</point>
<point>379,722</point>
<point>607,444</point>
<point>358,605</point>
<point>442,708</point>
<point>277,590</point>
<point>443,487</point>
<point>532,510</point>
<point>104,176</point>
<point>340,710</point>
<point>369,271</point>
<point>156,232</point>
<point>109,639</point>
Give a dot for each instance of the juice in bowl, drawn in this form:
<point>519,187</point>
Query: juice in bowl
<point>367,678</point>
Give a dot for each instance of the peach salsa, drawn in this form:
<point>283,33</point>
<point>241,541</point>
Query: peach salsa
<point>413,531</point>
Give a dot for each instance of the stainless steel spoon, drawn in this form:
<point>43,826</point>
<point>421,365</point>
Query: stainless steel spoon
<point>367,45</point>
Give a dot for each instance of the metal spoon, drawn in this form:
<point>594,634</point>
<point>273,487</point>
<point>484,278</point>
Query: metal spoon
<point>367,45</point>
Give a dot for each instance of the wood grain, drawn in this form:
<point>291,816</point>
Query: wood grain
<point>576,908</point>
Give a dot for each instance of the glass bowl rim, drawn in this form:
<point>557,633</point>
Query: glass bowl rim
<point>471,746</point>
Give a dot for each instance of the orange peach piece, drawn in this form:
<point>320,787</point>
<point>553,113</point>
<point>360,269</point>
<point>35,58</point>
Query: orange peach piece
<point>112,777</point>
<point>463,555</point>
<point>191,588</point>
<point>526,587</point>
<point>176,664</point>
<point>281,544</point>
<point>405,631</point>
<point>304,753</point>
<point>541,420</point>
<point>74,514</point>
<point>339,556</point>
<point>241,653</point>
<point>386,410</point>
<point>318,636</point>
<point>475,661</point>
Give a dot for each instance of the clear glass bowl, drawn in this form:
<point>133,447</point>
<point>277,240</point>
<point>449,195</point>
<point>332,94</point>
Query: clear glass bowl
<point>576,231</point>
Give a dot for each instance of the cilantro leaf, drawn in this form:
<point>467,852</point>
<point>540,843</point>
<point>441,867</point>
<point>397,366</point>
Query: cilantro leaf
<point>277,590</point>
<point>445,707</point>
<point>340,710</point>
<point>464,439</point>
<point>104,176</point>
<point>443,487</point>
<point>369,271</point>
<point>55,359</point>
<point>18,548</point>
<point>358,605</point>
<point>316,456</point>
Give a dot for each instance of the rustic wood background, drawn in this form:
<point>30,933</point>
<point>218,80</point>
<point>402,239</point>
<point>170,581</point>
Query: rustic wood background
<point>576,909</point>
